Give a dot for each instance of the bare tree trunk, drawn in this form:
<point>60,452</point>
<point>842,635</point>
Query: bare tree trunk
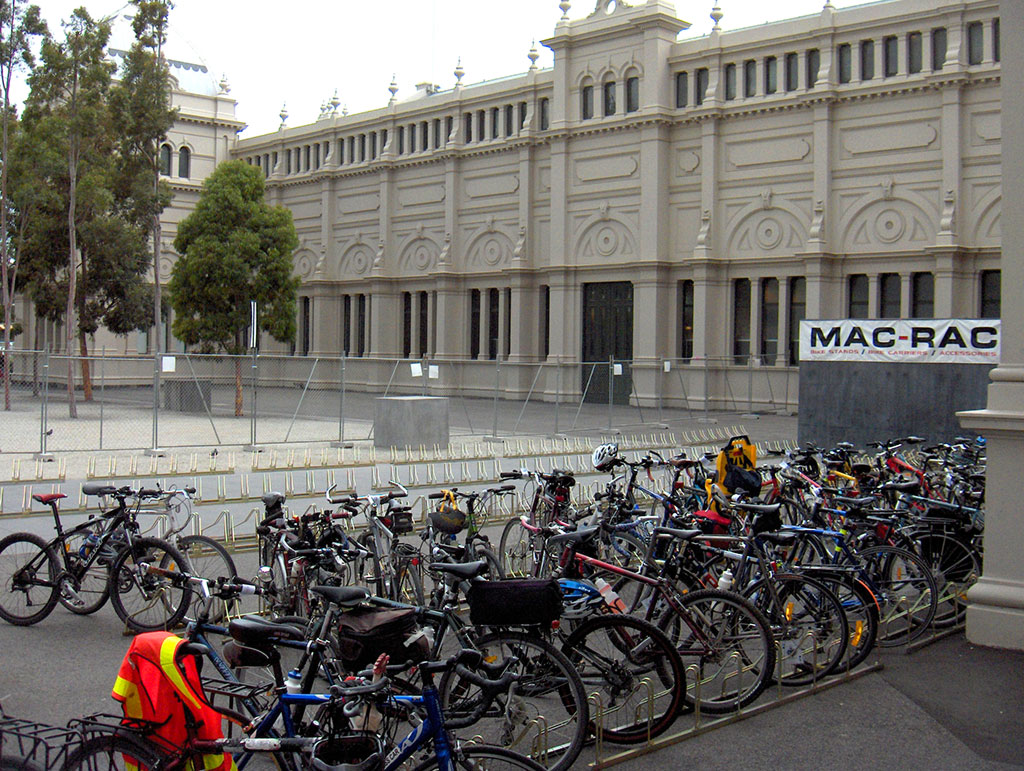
<point>7,280</point>
<point>238,387</point>
<point>69,316</point>
<point>83,346</point>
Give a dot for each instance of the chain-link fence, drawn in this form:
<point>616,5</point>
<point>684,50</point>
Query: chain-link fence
<point>177,400</point>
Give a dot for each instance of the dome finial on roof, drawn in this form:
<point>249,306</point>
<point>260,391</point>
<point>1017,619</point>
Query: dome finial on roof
<point>459,73</point>
<point>565,5</point>
<point>284,114</point>
<point>224,86</point>
<point>716,16</point>
<point>335,101</point>
<point>533,56</point>
<point>828,6</point>
<point>393,88</point>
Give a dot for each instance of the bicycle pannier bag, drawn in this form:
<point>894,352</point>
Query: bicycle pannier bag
<point>365,633</point>
<point>514,602</point>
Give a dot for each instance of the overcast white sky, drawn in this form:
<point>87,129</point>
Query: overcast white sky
<point>298,52</point>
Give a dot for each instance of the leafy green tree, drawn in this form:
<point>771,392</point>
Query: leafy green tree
<point>141,99</point>
<point>19,23</point>
<point>235,248</point>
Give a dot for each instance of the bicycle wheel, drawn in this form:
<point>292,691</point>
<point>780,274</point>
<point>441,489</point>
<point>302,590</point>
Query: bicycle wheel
<point>516,549</point>
<point>634,670</point>
<point>956,567</point>
<point>113,751</point>
<point>481,756</point>
<point>905,589</point>
<point>861,611</point>
<point>146,602</point>
<point>29,571</point>
<point>407,586</point>
<point>808,623</point>
<point>209,559</point>
<point>729,642</point>
<point>543,715</point>
<point>87,588</point>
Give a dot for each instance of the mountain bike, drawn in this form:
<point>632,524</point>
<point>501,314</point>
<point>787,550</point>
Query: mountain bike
<point>36,574</point>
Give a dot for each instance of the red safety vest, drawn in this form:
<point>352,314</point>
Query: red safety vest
<point>153,685</point>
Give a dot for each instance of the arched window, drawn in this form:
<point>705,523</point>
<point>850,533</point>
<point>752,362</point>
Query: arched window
<point>165,160</point>
<point>184,163</point>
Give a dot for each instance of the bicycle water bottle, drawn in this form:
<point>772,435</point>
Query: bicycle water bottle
<point>610,596</point>
<point>90,543</point>
<point>293,681</point>
<point>725,580</point>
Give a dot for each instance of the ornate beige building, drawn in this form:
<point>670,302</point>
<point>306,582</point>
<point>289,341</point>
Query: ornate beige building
<point>650,198</point>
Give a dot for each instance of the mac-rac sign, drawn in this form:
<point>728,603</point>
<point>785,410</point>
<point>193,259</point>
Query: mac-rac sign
<point>930,341</point>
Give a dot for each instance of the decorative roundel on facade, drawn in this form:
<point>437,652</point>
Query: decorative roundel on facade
<point>607,241</point>
<point>889,226</point>
<point>359,261</point>
<point>769,233</point>
<point>422,255</point>
<point>492,251</point>
<point>304,264</point>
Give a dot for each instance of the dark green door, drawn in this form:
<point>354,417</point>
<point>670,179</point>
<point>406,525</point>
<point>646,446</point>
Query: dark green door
<point>607,333</point>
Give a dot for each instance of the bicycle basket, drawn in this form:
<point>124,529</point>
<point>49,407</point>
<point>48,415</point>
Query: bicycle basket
<point>514,602</point>
<point>365,633</point>
<point>398,522</point>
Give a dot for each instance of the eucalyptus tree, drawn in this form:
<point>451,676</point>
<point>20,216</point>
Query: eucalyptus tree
<point>19,24</point>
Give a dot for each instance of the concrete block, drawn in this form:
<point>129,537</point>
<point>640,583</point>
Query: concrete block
<point>410,421</point>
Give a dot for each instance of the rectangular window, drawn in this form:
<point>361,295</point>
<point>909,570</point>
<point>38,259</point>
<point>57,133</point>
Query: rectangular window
<point>287,162</point>
<point>425,136</point>
<point>922,296</point>
<point>769,348</point>
<point>867,59</point>
<point>522,116</point>
<point>771,75</point>
<point>741,320</point>
<point>682,89</point>
<point>509,120</point>
<point>308,159</point>
<point>437,133</point>
<point>495,122</point>
<point>990,305</point>
<point>797,312</point>
<point>474,324</point>
<point>845,63</point>
<point>813,65</point>
<point>890,56</point>
<point>373,144</point>
<point>492,323</point>
<point>383,139</point>
<point>632,94</point>
<point>481,125</point>
<point>914,60</point>
<point>406,325</point>
<point>938,47</point>
<point>545,114</point>
<point>316,156</point>
<point>306,326</point>
<point>749,78</point>
<point>889,296</point>
<point>975,42</point>
<point>701,85</point>
<point>857,304</point>
<point>362,147</point>
<point>449,126</point>
<point>587,103</point>
<point>346,322</point>
<point>469,126</point>
<point>792,64</point>
<point>506,332</point>
<point>686,320</point>
<point>401,139</point>
<point>730,81</point>
<point>545,321</point>
<point>609,98</point>
<point>424,324</point>
<point>361,326</point>
<point>995,39</point>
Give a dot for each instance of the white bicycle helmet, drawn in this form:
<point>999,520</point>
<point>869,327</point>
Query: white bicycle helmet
<point>603,458</point>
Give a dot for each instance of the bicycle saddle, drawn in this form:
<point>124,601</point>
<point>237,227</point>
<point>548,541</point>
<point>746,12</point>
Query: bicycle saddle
<point>347,596</point>
<point>256,631</point>
<point>464,570</point>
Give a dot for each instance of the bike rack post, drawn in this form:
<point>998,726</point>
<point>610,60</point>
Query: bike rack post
<point>598,720</point>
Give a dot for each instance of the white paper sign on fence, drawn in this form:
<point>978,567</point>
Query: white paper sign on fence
<point>928,341</point>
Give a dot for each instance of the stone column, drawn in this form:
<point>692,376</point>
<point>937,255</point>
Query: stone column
<point>995,615</point>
